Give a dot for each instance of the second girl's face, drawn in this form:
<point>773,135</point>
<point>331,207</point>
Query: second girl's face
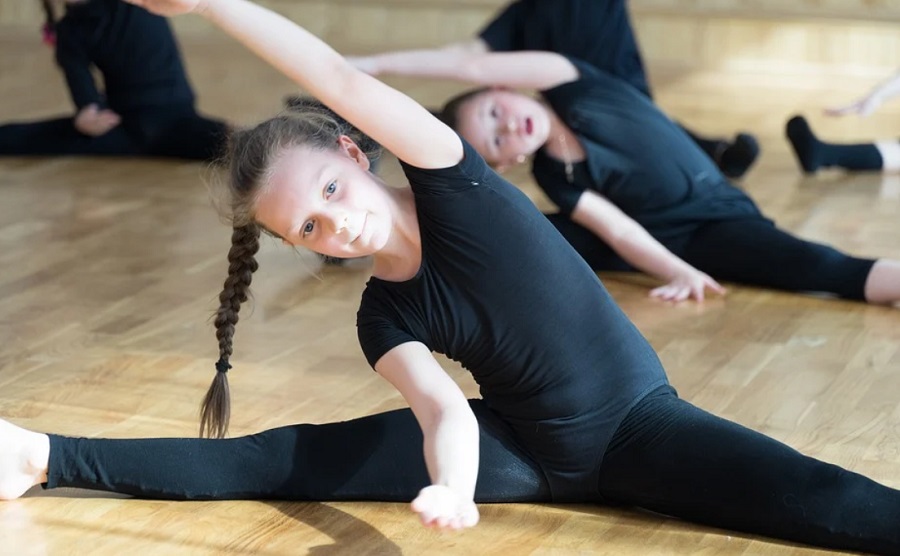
<point>326,201</point>
<point>504,126</point>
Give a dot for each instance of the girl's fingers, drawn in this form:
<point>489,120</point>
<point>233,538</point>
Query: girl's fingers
<point>715,286</point>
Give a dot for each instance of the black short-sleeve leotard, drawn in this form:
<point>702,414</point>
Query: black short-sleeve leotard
<point>501,292</point>
<point>596,31</point>
<point>637,157</point>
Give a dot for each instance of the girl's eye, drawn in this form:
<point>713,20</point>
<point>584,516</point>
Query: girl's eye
<point>308,228</point>
<point>330,189</point>
<point>494,112</point>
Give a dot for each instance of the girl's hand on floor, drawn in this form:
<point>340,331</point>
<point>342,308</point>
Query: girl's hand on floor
<point>94,122</point>
<point>442,508</point>
<point>169,8</point>
<point>690,283</point>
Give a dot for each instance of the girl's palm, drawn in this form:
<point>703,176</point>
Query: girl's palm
<point>169,7</point>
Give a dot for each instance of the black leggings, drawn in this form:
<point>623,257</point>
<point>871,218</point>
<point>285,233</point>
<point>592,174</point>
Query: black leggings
<point>749,251</point>
<point>173,133</point>
<point>667,456</point>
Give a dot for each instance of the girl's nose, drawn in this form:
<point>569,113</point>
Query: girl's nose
<point>337,221</point>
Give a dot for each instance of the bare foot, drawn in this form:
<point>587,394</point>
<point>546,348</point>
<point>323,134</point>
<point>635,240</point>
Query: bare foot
<point>24,456</point>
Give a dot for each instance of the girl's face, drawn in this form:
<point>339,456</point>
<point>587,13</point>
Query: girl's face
<point>326,201</point>
<point>504,126</point>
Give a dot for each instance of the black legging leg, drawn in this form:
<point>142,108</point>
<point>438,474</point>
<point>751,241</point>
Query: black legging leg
<point>192,137</point>
<point>755,252</point>
<point>673,458</point>
<point>59,137</point>
<point>378,457</point>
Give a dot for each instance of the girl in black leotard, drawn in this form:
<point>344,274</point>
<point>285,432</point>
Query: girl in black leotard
<point>147,105</point>
<point>634,191</point>
<point>576,407</point>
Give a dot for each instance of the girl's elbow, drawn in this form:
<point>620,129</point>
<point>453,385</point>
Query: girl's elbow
<point>457,411</point>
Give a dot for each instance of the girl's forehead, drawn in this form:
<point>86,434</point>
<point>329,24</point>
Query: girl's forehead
<point>298,167</point>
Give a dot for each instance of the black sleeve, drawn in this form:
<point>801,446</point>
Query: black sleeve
<point>504,32</point>
<point>377,333</point>
<point>470,172</point>
<point>76,66</point>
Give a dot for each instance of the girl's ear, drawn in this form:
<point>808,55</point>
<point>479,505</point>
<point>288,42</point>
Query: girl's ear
<point>351,149</point>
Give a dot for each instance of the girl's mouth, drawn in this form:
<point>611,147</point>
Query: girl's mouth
<point>529,126</point>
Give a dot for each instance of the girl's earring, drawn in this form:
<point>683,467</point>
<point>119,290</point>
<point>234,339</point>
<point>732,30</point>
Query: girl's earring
<point>520,159</point>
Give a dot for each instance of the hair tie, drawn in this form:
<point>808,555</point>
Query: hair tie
<point>222,365</point>
<point>48,35</point>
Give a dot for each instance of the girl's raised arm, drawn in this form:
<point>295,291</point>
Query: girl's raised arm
<point>393,119</point>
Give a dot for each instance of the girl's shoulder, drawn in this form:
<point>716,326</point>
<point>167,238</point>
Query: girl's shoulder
<point>471,171</point>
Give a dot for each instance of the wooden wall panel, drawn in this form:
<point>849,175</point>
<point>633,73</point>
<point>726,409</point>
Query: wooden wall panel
<point>769,36</point>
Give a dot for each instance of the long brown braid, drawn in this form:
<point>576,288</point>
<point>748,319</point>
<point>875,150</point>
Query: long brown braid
<point>249,159</point>
<point>216,409</point>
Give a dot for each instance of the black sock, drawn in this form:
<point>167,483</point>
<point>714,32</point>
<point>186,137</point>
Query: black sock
<point>814,154</point>
<point>738,156</point>
<point>733,159</point>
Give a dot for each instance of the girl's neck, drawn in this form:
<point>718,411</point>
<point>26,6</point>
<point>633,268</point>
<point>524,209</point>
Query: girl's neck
<point>562,143</point>
<point>558,129</point>
<point>401,257</point>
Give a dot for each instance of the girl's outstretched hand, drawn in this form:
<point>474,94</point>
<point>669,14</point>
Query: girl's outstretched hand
<point>442,508</point>
<point>171,7</point>
<point>691,283</point>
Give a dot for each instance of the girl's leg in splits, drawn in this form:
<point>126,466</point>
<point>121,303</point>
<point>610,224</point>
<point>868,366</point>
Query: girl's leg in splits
<point>59,137</point>
<point>757,253</point>
<point>378,457</point>
<point>194,137</point>
<point>676,459</point>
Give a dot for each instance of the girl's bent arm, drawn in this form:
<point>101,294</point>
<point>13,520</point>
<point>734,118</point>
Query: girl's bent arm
<point>393,119</point>
<point>76,66</point>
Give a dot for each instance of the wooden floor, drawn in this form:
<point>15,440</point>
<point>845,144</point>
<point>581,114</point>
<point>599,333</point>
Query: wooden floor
<point>109,271</point>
